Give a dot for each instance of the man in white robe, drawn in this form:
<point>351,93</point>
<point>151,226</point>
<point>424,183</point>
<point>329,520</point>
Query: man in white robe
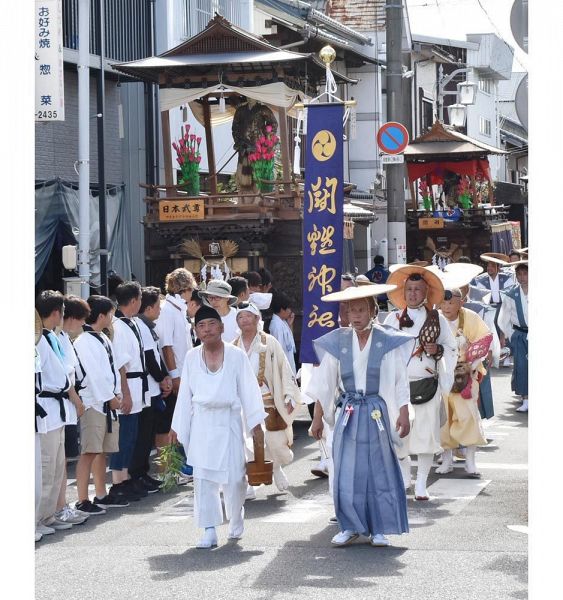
<point>279,389</point>
<point>418,290</point>
<point>218,390</point>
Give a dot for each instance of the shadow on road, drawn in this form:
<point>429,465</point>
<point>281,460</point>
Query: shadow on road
<point>164,567</point>
<point>316,563</point>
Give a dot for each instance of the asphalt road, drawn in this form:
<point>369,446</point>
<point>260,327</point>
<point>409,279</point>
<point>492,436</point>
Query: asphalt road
<point>468,542</point>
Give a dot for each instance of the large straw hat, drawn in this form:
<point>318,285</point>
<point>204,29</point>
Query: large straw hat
<point>218,287</point>
<point>496,257</point>
<point>456,275</point>
<point>399,277</point>
<point>414,263</point>
<point>364,290</point>
<point>523,261</point>
<point>38,327</point>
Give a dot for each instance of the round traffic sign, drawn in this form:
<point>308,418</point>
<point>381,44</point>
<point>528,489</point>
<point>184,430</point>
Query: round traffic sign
<point>392,138</point>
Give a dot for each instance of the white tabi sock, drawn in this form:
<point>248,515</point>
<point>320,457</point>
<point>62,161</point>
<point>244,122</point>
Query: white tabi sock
<point>424,464</point>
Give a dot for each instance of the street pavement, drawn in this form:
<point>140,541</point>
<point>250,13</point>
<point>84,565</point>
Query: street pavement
<point>468,542</point>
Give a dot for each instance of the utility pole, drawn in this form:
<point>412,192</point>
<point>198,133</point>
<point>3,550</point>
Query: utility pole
<point>101,101</point>
<point>396,227</point>
<point>84,147</point>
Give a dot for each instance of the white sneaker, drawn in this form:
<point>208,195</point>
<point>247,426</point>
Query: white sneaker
<point>280,479</point>
<point>56,524</point>
<point>38,536</point>
<point>69,515</point>
<point>43,529</point>
<point>250,493</point>
<point>447,463</point>
<point>209,539</point>
<point>379,539</point>
<point>321,470</point>
<point>344,538</point>
<point>236,526</point>
<point>524,407</point>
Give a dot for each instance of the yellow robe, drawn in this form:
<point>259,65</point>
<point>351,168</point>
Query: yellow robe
<point>463,426</point>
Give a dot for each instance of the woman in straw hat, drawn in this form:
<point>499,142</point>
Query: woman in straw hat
<point>431,367</point>
<point>513,322</point>
<point>365,364</point>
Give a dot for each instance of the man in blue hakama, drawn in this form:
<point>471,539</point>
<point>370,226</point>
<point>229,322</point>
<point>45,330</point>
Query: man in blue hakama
<point>362,387</point>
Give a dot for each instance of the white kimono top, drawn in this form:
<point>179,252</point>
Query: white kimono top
<point>173,328</point>
<point>100,384</point>
<point>53,379</point>
<point>209,412</point>
<point>508,315</point>
<point>128,355</point>
<point>71,363</point>
<point>230,324</point>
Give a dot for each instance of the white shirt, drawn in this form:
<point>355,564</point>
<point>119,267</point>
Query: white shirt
<point>230,324</point>
<point>281,330</point>
<point>172,328</point>
<point>71,363</point>
<point>53,379</point>
<point>508,314</point>
<point>495,288</point>
<point>41,424</point>
<point>100,384</point>
<point>150,345</point>
<point>128,355</point>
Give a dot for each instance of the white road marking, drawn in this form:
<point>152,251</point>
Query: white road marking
<point>519,528</point>
<point>460,492</point>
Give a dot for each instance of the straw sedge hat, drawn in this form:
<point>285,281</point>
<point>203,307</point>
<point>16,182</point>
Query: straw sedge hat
<point>496,257</point>
<point>364,290</point>
<point>218,287</point>
<point>399,278</point>
<point>456,275</point>
<point>414,263</point>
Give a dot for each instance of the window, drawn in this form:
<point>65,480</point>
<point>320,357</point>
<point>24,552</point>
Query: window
<point>484,126</point>
<point>486,86</point>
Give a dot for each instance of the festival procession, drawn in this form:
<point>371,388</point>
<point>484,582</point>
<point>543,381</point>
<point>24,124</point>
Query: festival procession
<point>281,320</point>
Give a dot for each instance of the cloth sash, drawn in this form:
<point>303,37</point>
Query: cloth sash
<point>60,396</point>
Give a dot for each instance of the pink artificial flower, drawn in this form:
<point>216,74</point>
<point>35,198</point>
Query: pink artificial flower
<point>175,146</point>
<point>198,160</point>
<point>188,127</point>
<point>198,140</point>
<point>268,128</point>
<point>193,137</point>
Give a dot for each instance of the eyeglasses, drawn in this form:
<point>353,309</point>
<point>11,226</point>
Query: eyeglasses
<point>448,295</point>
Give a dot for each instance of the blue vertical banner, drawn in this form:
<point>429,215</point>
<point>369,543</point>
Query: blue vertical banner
<point>323,222</point>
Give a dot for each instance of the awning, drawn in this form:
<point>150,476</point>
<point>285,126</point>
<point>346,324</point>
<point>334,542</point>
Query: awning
<point>437,169</point>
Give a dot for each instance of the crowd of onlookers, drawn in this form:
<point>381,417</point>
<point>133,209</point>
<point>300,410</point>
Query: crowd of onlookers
<point>108,371</point>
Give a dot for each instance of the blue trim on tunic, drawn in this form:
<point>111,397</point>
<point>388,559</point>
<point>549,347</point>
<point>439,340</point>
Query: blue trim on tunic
<point>369,493</point>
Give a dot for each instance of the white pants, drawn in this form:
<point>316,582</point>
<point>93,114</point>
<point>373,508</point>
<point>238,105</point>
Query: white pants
<point>52,471</point>
<point>207,500</point>
<point>38,477</point>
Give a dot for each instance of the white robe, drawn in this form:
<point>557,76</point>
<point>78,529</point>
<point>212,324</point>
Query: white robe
<point>508,315</point>
<point>232,330</point>
<point>209,411</point>
<point>424,437</point>
<point>71,363</point>
<point>100,384</point>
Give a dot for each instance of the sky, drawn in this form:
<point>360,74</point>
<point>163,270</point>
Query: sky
<point>455,18</point>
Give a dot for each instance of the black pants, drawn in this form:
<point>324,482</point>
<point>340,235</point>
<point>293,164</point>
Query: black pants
<point>140,463</point>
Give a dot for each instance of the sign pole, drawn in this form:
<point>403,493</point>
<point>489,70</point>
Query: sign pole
<point>84,147</point>
<point>396,227</point>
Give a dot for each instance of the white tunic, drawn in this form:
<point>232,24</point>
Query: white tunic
<point>100,384</point>
<point>209,411</point>
<point>71,363</point>
<point>231,331</point>
<point>282,332</point>
<point>128,355</point>
<point>41,424</point>
<point>53,379</point>
<point>172,328</point>
<point>424,437</point>
<point>508,315</point>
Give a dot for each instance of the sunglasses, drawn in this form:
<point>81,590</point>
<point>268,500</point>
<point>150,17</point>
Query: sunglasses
<point>448,295</point>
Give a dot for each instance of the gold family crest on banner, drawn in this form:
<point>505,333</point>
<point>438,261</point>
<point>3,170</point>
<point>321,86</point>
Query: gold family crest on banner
<point>181,210</point>
<point>323,145</point>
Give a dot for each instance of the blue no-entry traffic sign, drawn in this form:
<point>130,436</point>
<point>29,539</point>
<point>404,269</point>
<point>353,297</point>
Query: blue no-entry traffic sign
<point>392,138</point>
